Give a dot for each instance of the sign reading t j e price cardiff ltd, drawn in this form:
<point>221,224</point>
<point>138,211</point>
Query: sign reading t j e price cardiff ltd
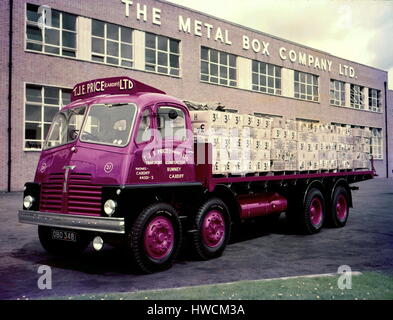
<point>114,85</point>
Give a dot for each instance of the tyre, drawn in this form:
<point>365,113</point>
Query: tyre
<point>154,238</point>
<point>307,217</point>
<point>313,212</point>
<point>339,209</point>
<point>61,247</point>
<point>212,227</point>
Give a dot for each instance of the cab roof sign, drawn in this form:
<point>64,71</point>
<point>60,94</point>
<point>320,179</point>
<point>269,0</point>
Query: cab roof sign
<point>114,85</point>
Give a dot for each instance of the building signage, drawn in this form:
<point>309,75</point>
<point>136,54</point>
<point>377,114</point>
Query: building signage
<point>103,85</point>
<point>218,34</point>
<point>114,85</point>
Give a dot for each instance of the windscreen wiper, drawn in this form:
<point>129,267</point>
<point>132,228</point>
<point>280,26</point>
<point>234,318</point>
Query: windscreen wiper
<point>111,105</point>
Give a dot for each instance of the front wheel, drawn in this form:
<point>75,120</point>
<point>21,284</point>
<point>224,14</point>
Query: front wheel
<point>154,238</point>
<point>212,226</point>
<point>73,247</point>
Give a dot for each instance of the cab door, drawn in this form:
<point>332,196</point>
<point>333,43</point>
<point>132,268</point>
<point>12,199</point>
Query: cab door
<point>142,169</point>
<point>164,146</point>
<point>174,143</point>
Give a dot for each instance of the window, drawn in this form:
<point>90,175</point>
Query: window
<point>266,77</point>
<point>65,127</point>
<point>374,100</point>
<point>306,86</point>
<point>218,67</point>
<point>58,39</point>
<point>337,93</point>
<point>376,143</point>
<point>41,105</point>
<point>171,123</point>
<point>357,97</point>
<point>111,44</point>
<point>162,54</point>
<point>110,125</point>
<point>144,130</point>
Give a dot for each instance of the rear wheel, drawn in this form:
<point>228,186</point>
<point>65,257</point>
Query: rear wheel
<point>310,215</point>
<point>154,239</point>
<point>212,226</point>
<point>61,247</point>
<point>339,210</point>
<point>313,214</point>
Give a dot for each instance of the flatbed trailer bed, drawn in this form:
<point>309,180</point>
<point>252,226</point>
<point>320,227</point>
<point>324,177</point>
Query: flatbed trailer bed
<point>210,181</point>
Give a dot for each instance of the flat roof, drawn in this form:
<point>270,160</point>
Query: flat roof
<point>263,33</point>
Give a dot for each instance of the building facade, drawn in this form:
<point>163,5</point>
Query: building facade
<point>193,56</point>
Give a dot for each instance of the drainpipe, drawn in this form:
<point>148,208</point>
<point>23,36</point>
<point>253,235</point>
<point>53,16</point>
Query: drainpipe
<point>386,132</point>
<point>10,93</point>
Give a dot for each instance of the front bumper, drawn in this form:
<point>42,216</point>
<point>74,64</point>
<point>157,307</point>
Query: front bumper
<point>68,221</point>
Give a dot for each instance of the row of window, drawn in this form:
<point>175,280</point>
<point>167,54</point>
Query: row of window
<point>110,43</point>
<point>113,44</point>
<point>357,100</point>
<point>59,39</point>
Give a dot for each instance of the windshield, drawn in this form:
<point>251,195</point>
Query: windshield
<point>109,124</point>
<point>65,127</point>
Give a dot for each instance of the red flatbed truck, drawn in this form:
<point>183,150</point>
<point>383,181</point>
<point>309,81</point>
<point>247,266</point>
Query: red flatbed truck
<point>96,181</point>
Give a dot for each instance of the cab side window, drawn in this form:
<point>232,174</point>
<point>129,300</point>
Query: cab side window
<point>144,130</point>
<point>171,123</point>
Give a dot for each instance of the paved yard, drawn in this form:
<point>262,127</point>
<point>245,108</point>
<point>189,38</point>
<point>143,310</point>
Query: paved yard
<point>365,244</point>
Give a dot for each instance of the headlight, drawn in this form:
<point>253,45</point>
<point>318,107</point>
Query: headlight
<point>109,207</point>
<point>28,202</point>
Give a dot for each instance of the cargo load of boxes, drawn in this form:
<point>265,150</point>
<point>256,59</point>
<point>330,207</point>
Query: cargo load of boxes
<point>243,144</point>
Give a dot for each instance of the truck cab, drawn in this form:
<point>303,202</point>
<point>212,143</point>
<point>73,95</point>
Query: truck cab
<point>102,139</point>
<point>115,134</point>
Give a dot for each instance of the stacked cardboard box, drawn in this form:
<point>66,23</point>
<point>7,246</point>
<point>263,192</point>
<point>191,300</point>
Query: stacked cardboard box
<point>361,148</point>
<point>327,146</point>
<point>284,145</point>
<point>308,146</point>
<point>344,147</point>
<point>247,144</point>
<point>260,133</point>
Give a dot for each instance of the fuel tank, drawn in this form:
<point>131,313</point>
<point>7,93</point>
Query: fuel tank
<point>260,204</point>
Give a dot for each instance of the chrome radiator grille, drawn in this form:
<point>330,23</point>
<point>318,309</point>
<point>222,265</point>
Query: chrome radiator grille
<point>81,196</point>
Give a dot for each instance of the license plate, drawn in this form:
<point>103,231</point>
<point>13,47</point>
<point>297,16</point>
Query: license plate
<point>62,235</point>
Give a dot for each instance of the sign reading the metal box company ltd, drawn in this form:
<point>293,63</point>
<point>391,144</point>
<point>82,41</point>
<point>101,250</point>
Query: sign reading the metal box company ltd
<point>222,35</point>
